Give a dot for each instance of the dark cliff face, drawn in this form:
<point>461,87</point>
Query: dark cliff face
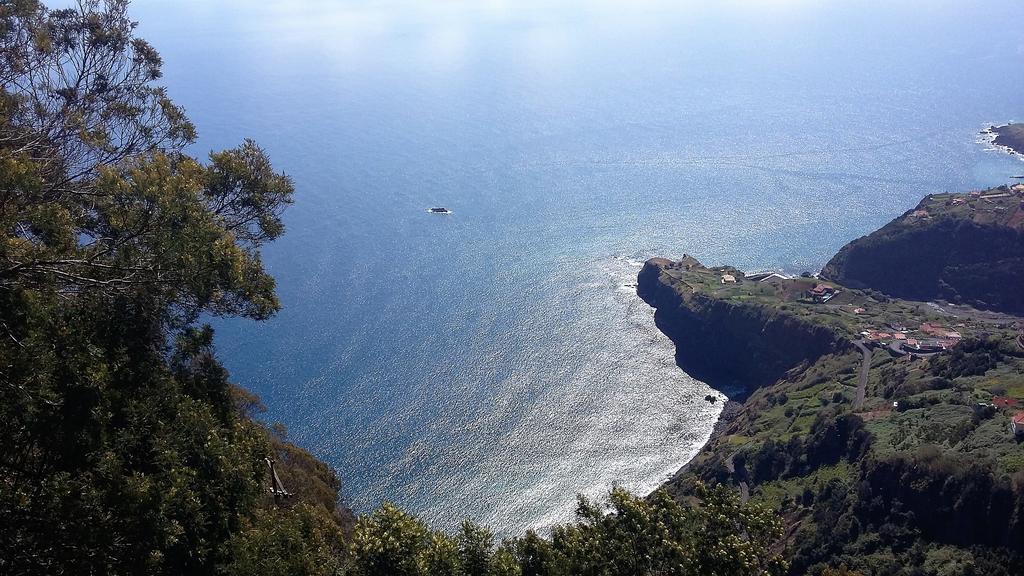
<point>949,258</point>
<point>731,346</point>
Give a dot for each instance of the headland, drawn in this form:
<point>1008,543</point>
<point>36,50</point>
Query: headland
<point>1008,137</point>
<point>876,411</point>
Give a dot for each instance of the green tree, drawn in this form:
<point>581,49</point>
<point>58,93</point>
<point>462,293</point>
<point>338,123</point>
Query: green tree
<point>124,452</point>
<point>631,536</point>
<point>97,195</point>
<point>476,545</point>
<point>303,541</point>
<point>391,542</point>
<point>658,535</point>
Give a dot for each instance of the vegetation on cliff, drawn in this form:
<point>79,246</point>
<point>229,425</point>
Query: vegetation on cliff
<point>963,248</point>
<point>712,330</point>
<point>126,448</point>
<point>885,461</point>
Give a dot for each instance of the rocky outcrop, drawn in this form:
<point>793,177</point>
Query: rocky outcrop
<point>1010,136</point>
<point>946,257</point>
<point>737,347</point>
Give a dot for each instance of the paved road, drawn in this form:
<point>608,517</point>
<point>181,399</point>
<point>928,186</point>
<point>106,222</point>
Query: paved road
<point>862,382</point>
<point>741,481</point>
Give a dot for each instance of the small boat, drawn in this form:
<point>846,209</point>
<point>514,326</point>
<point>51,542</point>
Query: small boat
<point>1018,177</point>
<point>439,210</point>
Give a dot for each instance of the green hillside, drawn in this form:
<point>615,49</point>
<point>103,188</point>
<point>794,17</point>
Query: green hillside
<point>962,248</point>
<point>878,458</point>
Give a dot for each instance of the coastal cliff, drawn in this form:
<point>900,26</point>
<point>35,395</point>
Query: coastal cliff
<point>966,249</point>
<point>878,427</point>
<point>733,346</point>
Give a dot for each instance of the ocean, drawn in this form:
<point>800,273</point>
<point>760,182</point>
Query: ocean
<point>495,362</point>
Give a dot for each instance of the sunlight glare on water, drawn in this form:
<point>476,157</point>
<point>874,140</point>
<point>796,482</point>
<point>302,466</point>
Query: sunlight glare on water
<point>496,361</point>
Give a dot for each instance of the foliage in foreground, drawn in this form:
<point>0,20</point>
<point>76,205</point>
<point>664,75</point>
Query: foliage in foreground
<point>714,536</point>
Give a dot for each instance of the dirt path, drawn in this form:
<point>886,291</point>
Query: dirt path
<point>865,369</point>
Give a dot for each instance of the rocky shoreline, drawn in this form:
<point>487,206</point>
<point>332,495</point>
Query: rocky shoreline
<point>1008,138</point>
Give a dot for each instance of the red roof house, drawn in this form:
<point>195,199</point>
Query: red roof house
<point>1017,424</point>
<point>1004,402</point>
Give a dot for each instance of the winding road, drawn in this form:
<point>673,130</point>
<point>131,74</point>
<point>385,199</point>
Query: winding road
<point>740,477</point>
<point>865,369</point>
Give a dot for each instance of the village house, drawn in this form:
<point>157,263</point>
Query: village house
<point>1004,402</point>
<point>931,345</point>
<point>823,292</point>
<point>1017,424</point>
<point>773,277</point>
<point>878,336</point>
<point>728,279</point>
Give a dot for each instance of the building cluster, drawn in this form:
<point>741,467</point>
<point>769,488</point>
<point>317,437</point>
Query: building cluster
<point>1004,205</point>
<point>1015,190</point>
<point>985,196</point>
<point>989,196</point>
<point>927,339</point>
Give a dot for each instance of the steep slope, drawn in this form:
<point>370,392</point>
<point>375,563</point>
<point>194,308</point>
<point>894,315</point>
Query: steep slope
<point>734,345</point>
<point>965,249</point>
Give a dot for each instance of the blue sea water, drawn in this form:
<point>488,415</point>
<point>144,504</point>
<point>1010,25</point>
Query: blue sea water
<point>495,362</point>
